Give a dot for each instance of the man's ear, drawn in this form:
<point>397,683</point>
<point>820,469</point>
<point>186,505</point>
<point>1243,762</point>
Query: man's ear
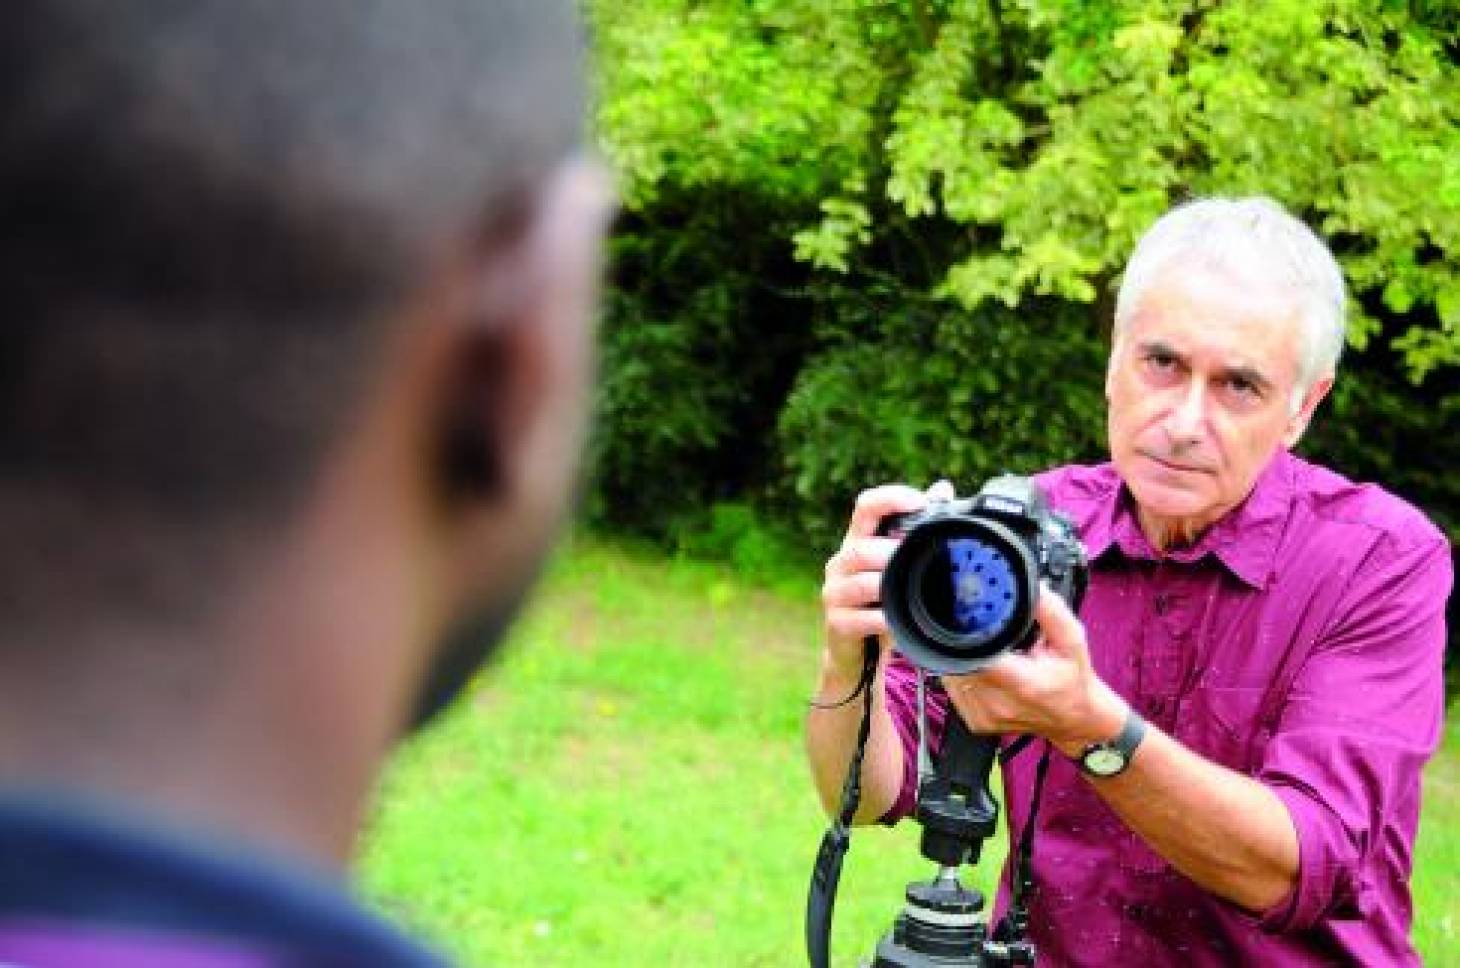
<point>1298,422</point>
<point>471,457</point>
<point>516,364</point>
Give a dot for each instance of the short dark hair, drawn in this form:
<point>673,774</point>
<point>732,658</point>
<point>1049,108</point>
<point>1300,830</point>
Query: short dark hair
<point>206,206</point>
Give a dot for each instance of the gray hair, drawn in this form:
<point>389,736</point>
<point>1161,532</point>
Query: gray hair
<point>1256,237</point>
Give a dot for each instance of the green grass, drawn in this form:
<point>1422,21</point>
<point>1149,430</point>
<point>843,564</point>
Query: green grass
<point>628,788</point>
<point>1437,856</point>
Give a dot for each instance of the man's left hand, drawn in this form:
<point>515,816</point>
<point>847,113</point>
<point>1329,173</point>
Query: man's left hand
<point>1051,690</point>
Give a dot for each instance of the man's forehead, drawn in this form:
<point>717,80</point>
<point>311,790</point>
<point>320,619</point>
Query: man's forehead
<point>1237,321</point>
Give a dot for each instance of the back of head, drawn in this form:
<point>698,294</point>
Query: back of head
<point>208,207</point>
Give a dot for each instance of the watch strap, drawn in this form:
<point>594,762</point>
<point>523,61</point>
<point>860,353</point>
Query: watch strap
<point>1125,743</point>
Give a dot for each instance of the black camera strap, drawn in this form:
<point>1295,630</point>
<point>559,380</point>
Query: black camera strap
<point>1015,923</point>
<point>827,874</point>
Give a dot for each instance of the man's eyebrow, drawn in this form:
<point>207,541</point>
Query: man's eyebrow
<point>1250,374</point>
<point>1148,346</point>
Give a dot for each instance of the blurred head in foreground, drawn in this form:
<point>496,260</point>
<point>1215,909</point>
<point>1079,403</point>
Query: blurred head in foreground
<point>294,372</point>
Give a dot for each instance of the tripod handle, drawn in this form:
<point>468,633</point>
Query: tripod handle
<point>955,807</point>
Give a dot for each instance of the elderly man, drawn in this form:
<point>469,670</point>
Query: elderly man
<point>295,366</point>
<point>1241,720</point>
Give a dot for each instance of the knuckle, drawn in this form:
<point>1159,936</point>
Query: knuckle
<point>829,590</point>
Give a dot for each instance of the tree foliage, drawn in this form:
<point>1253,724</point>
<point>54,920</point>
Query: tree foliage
<point>908,220</point>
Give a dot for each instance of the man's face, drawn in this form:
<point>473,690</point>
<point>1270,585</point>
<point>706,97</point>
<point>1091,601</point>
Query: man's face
<point>1200,389</point>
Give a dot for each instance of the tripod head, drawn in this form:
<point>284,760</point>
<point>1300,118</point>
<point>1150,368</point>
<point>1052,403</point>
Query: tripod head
<point>940,924</point>
<point>940,927</point>
<point>955,807</point>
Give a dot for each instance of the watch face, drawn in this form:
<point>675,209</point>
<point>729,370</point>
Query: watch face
<point>1104,761</point>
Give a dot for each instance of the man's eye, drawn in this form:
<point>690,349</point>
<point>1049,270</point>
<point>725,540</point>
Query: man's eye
<point>1160,362</point>
<point>1242,387</point>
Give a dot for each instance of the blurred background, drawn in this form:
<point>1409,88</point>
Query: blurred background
<point>873,240</point>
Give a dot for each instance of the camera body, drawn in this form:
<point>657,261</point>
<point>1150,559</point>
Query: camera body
<point>961,587</point>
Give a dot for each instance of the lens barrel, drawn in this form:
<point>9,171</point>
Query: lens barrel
<point>959,590</point>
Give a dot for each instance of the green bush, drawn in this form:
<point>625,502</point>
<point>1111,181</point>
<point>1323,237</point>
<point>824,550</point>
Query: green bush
<point>942,392</point>
<point>758,549</point>
<point>698,346</point>
<point>1377,427</point>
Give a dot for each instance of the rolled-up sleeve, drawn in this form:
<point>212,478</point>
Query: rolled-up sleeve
<point>1364,714</point>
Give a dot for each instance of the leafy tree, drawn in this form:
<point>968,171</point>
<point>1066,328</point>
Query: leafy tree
<point>911,218</point>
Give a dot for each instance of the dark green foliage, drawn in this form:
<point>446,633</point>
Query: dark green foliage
<point>941,392</point>
<point>764,551</point>
<point>699,345</point>
<point>1377,427</point>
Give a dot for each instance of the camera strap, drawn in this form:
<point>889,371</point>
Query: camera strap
<point>1015,923</point>
<point>826,875</point>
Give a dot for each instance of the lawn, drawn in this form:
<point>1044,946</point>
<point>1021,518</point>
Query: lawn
<point>627,788</point>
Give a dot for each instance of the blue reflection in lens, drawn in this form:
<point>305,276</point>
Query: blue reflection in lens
<point>983,586</point>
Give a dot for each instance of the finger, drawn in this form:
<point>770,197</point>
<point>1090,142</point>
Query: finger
<point>1063,631</point>
<point>972,704</point>
<point>852,591</point>
<point>940,490</point>
<point>1009,672</point>
<point>861,554</point>
<point>876,503</point>
<point>855,622</point>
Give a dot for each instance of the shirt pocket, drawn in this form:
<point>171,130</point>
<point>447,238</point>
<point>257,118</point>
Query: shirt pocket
<point>1223,724</point>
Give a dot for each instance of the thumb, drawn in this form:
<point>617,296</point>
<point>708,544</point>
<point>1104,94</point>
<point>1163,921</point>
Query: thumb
<point>940,490</point>
<point>1062,629</point>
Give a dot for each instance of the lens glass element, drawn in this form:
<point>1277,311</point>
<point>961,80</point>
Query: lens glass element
<point>975,595</point>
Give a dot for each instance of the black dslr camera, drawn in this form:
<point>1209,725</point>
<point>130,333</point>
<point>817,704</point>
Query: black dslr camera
<point>961,587</point>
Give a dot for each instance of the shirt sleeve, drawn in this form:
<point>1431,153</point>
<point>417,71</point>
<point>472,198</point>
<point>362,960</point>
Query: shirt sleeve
<point>1362,717</point>
<point>900,689</point>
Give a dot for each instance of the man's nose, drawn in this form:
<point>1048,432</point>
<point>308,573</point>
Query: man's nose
<point>1186,420</point>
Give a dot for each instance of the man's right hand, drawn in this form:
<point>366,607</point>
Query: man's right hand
<point>851,612</point>
<point>853,582</point>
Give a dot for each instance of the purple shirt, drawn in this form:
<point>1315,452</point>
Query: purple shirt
<point>1300,641</point>
<point>39,944</point>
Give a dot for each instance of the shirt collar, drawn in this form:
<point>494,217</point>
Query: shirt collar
<point>1244,540</point>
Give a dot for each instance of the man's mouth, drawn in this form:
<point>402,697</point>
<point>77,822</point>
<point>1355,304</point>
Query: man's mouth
<point>1175,465</point>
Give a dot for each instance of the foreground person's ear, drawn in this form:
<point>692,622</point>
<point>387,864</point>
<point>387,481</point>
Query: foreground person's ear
<point>522,351</point>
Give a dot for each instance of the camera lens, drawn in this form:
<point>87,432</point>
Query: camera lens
<point>958,591</point>
<point>969,588</point>
<point>963,589</point>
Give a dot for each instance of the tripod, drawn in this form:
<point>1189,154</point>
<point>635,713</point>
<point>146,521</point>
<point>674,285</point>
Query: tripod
<point>940,925</point>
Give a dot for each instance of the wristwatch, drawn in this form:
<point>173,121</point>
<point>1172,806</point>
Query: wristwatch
<point>1111,757</point>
